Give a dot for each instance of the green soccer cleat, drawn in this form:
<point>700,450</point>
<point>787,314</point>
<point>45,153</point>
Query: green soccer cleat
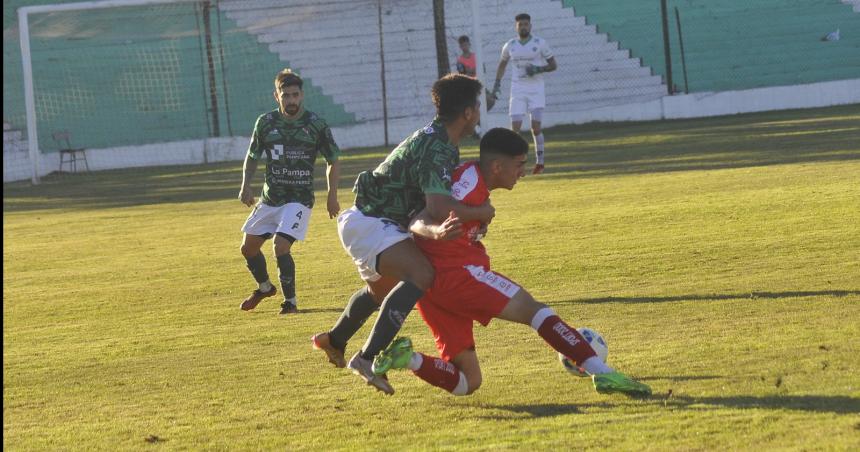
<point>618,382</point>
<point>396,356</point>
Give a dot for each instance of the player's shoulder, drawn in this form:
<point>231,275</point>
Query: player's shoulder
<point>431,134</point>
<point>268,120</point>
<point>466,166</point>
<point>269,116</point>
<point>315,119</point>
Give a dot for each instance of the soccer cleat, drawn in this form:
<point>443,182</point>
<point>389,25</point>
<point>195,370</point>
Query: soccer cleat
<point>322,341</point>
<point>538,169</point>
<point>618,382</point>
<point>289,307</point>
<point>256,297</point>
<point>396,356</point>
<point>364,369</point>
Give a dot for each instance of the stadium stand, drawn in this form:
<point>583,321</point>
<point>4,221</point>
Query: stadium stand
<point>737,45</point>
<point>610,56</point>
<point>596,71</point>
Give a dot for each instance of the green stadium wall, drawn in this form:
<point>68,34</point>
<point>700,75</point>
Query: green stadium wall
<point>735,45</point>
<point>164,82</point>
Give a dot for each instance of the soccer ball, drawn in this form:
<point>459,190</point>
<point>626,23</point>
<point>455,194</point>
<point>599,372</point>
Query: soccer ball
<point>596,341</point>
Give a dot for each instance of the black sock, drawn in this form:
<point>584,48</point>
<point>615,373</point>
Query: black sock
<point>257,265</point>
<point>361,306</point>
<point>395,308</point>
<point>287,275</point>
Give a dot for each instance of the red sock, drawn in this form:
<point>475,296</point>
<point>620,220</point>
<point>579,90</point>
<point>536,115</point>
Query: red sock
<point>565,339</point>
<point>439,373</point>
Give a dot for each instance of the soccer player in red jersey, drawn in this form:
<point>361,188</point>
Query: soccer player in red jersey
<point>466,289</point>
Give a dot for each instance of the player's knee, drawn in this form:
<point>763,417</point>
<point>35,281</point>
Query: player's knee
<point>474,382</point>
<point>422,275</point>
<point>536,131</point>
<point>281,249</point>
<point>248,251</point>
<point>282,244</point>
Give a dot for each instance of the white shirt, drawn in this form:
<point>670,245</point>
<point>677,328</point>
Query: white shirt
<point>534,51</point>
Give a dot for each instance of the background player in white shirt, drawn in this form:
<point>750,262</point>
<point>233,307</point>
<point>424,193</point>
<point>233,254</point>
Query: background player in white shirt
<point>528,54</point>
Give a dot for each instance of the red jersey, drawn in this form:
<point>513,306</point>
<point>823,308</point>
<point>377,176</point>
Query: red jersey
<point>469,188</point>
<point>467,65</point>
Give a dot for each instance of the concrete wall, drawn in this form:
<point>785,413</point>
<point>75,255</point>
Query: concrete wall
<point>16,162</point>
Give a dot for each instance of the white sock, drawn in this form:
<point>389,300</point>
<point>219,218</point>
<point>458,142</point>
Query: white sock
<point>415,361</point>
<point>539,149</point>
<point>595,366</point>
<point>540,316</point>
<point>265,286</point>
<point>462,387</point>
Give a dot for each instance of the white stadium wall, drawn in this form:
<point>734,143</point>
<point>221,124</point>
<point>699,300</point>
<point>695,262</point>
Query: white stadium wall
<point>596,80</point>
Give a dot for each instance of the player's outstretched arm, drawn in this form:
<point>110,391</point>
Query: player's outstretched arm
<point>246,195</point>
<point>424,226</point>
<point>439,206</point>
<point>332,172</point>
<point>500,72</point>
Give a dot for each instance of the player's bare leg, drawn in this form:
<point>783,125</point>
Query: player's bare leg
<point>250,249</point>
<point>460,376</point>
<point>361,305</point>
<point>523,308</point>
<point>537,135</point>
<point>404,263</point>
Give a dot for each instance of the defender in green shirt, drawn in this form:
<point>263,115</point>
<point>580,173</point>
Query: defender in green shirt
<point>415,176</point>
<point>289,140</point>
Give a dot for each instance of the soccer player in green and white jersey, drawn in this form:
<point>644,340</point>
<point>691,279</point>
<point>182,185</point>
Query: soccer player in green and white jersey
<point>415,175</point>
<point>289,139</point>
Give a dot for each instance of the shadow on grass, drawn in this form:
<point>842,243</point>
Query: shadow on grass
<point>711,297</point>
<point>681,377</point>
<point>808,403</point>
<point>590,150</point>
<point>543,410</point>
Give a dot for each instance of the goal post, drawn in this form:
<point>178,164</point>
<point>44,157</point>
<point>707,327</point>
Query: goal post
<point>27,64</point>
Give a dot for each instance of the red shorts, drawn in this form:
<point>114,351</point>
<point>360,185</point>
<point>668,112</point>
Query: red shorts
<point>459,296</point>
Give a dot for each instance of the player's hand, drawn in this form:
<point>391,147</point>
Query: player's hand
<point>332,205</point>
<point>497,89</point>
<point>481,232</point>
<point>489,212</point>
<point>533,70</point>
<point>450,229</point>
<point>246,195</point>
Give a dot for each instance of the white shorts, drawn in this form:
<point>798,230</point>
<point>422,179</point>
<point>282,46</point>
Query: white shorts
<point>525,101</point>
<point>291,219</point>
<point>364,237</point>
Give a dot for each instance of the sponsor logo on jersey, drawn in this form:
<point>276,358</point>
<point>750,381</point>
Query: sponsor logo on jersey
<point>289,172</point>
<point>445,174</point>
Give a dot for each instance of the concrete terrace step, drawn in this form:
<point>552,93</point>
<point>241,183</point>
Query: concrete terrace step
<point>343,56</point>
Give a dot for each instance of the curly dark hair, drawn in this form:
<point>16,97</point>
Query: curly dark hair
<point>453,93</point>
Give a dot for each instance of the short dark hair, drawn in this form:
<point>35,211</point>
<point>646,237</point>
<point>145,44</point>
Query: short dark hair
<point>523,16</point>
<point>463,39</point>
<point>288,78</point>
<point>501,141</point>
<point>453,93</point>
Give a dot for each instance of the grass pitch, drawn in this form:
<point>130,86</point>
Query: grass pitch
<point>719,257</point>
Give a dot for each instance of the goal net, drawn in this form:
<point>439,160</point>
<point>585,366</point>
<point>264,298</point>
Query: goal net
<point>132,74</point>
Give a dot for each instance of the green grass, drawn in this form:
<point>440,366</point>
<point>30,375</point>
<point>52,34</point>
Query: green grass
<point>719,257</point>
